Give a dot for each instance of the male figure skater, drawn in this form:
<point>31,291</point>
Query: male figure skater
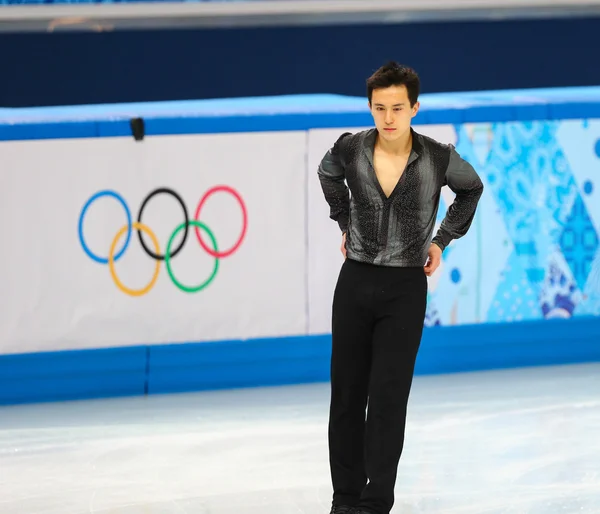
<point>395,176</point>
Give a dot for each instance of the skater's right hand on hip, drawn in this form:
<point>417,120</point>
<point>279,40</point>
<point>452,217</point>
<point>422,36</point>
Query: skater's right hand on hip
<point>343,247</point>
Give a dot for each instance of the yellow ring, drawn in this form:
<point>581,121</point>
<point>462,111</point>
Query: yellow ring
<point>111,264</point>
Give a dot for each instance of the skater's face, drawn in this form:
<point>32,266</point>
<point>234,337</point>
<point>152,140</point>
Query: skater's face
<point>392,111</point>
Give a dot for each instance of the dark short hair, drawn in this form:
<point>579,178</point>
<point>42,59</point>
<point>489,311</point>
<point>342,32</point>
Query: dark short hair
<point>394,74</point>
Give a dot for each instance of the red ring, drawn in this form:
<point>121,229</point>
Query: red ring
<point>206,248</point>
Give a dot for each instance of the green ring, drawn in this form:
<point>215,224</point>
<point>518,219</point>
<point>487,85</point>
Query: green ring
<point>168,257</point>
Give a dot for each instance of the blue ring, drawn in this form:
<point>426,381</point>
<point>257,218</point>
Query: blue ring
<point>121,200</point>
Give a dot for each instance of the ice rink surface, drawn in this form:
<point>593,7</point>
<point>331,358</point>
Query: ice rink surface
<point>509,441</point>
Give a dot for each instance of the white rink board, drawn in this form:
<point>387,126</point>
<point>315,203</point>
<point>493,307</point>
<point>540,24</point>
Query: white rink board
<point>56,297</point>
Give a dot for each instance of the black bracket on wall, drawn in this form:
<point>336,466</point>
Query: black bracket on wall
<point>138,128</point>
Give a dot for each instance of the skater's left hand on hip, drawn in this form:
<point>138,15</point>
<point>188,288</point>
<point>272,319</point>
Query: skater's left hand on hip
<point>434,259</point>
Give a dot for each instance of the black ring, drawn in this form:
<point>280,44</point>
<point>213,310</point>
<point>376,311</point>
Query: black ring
<point>185,213</point>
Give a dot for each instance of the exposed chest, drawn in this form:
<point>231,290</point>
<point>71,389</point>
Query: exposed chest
<point>389,170</point>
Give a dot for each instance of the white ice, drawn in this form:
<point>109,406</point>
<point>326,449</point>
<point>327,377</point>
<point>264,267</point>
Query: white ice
<point>510,441</point>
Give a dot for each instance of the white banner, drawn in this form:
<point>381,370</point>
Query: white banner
<point>66,202</point>
<point>76,275</point>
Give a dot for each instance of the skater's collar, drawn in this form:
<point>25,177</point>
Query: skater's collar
<point>371,138</point>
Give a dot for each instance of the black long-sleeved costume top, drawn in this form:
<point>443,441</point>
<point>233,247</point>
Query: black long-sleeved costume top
<point>397,231</point>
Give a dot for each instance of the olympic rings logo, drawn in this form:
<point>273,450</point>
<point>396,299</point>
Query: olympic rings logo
<point>170,252</point>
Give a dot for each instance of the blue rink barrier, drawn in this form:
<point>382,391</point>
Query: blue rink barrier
<point>153,369</point>
<point>290,112</point>
<point>176,368</point>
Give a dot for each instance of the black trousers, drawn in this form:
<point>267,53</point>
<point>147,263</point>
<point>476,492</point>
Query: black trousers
<point>377,324</point>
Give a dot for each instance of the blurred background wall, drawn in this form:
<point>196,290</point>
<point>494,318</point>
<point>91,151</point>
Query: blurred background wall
<point>149,65</point>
